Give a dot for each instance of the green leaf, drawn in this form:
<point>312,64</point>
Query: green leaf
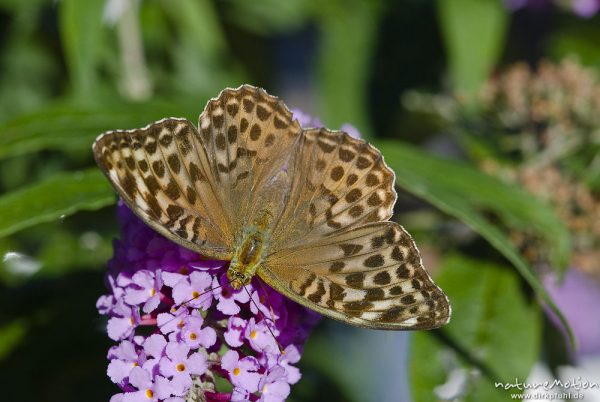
<point>462,191</point>
<point>469,195</point>
<point>575,38</point>
<point>202,61</point>
<point>199,19</point>
<point>81,34</point>
<point>347,28</point>
<point>269,16</point>
<point>53,198</point>
<point>492,323</point>
<point>68,127</point>
<point>11,334</point>
<point>473,31</point>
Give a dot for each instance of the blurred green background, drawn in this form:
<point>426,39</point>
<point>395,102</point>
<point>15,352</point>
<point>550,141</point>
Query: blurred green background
<point>419,79</point>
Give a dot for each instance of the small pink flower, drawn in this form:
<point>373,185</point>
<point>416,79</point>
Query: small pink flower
<point>242,372</point>
<point>274,386</point>
<point>235,330</point>
<point>149,388</point>
<point>144,289</point>
<point>193,291</point>
<point>124,322</point>
<point>195,336</point>
<point>229,298</point>
<point>154,348</point>
<point>180,365</point>
<point>260,338</point>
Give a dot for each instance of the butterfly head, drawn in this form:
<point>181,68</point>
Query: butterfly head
<point>237,279</point>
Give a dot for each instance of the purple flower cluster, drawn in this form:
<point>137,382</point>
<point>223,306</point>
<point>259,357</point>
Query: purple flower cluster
<point>180,325</point>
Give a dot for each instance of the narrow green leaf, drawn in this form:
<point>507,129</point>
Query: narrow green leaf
<point>75,127</point>
<point>51,199</point>
<point>467,194</point>
<point>474,33</point>
<point>492,322</point>
<point>459,188</point>
<point>81,34</point>
<point>347,28</point>
<point>270,16</point>
<point>11,334</point>
<point>202,60</point>
<point>199,19</point>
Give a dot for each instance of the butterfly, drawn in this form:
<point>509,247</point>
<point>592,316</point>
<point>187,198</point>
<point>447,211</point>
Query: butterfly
<point>307,210</point>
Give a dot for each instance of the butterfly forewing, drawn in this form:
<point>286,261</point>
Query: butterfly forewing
<point>339,183</point>
<point>321,198</point>
<point>249,137</point>
<point>160,172</point>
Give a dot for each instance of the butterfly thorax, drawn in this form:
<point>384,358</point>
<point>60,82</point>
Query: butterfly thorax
<point>248,255</point>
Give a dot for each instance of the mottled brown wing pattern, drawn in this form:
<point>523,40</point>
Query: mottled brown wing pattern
<point>249,136</point>
<point>339,183</point>
<point>370,276</point>
<point>161,173</point>
<point>333,249</point>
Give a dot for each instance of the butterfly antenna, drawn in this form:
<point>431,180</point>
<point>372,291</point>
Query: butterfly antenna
<point>201,294</point>
<point>175,307</point>
<point>268,301</point>
<point>263,316</point>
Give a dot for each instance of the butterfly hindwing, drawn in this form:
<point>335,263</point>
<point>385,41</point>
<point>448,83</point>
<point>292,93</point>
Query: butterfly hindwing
<point>333,249</point>
<point>339,183</point>
<point>370,276</point>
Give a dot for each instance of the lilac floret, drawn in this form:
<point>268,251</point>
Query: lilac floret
<point>150,388</point>
<point>234,336</point>
<point>173,321</point>
<point>228,299</point>
<point>194,334</point>
<point>170,309</point>
<point>259,337</point>
<point>274,387</point>
<point>122,324</point>
<point>123,358</point>
<point>154,349</point>
<point>180,365</point>
<point>144,290</point>
<point>242,372</point>
<point>194,290</point>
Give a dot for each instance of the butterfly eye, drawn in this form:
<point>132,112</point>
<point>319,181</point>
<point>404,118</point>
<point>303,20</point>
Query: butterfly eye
<point>237,279</point>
